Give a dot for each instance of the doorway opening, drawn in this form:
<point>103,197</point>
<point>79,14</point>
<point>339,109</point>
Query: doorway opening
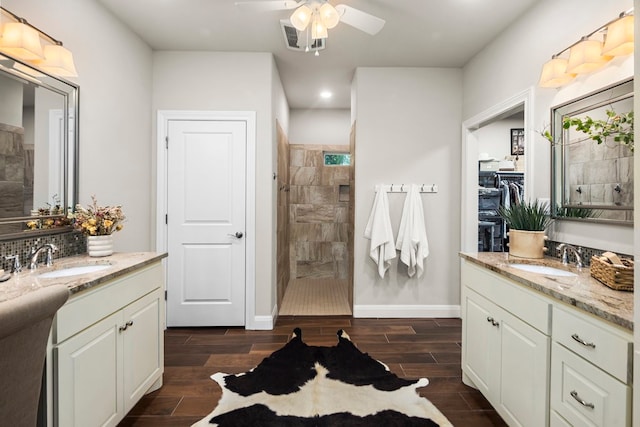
<point>495,166</point>
<point>315,228</point>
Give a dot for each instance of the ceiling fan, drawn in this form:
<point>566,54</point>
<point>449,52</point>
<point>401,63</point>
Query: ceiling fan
<point>319,15</point>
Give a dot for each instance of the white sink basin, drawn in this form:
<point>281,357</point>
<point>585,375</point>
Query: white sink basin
<point>543,269</point>
<point>74,270</point>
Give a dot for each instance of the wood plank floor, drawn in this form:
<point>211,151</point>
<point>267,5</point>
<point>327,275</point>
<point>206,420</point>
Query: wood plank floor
<point>410,347</point>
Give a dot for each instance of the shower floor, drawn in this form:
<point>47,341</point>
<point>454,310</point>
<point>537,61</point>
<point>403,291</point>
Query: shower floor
<point>316,297</point>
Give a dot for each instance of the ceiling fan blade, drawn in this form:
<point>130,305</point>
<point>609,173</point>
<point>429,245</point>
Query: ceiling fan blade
<point>361,20</point>
<point>269,5</point>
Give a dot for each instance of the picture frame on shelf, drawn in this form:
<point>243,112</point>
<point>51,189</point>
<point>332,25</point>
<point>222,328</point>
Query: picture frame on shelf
<point>517,141</point>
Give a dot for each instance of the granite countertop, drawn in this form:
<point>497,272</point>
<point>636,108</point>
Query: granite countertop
<point>120,263</point>
<point>582,291</point>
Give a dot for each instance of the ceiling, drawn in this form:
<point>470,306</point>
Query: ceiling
<point>417,33</point>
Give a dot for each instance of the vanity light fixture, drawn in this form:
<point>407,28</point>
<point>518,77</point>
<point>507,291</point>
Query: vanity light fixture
<point>586,56</point>
<point>591,52</point>
<point>23,41</point>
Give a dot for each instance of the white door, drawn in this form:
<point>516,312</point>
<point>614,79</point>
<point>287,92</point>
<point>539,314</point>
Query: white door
<point>206,174</point>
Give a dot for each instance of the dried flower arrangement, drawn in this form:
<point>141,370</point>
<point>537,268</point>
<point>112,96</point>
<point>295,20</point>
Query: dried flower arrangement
<point>98,220</point>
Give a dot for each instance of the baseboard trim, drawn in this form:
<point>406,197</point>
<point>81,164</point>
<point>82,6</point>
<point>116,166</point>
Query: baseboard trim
<point>264,323</point>
<point>405,311</point>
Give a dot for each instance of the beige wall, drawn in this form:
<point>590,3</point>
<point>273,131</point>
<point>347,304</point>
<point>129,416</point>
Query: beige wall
<point>408,131</point>
<point>114,68</point>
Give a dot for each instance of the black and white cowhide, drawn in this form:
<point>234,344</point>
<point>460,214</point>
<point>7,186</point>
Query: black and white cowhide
<point>306,386</point>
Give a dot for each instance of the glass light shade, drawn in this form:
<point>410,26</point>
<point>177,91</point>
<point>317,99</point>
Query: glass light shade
<point>586,56</point>
<point>21,41</point>
<point>554,73</point>
<point>318,30</point>
<point>58,61</point>
<point>329,16</point>
<point>301,17</point>
<point>619,39</point>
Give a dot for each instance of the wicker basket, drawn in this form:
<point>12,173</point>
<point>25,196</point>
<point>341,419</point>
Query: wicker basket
<point>618,278</point>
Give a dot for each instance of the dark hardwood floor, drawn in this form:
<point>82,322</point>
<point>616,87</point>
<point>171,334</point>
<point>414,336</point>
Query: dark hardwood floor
<point>410,347</point>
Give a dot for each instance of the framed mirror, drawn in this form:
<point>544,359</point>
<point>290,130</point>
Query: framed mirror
<point>38,150</point>
<point>592,156</point>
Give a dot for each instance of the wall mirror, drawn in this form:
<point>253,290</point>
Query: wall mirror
<point>592,156</point>
<point>38,150</point>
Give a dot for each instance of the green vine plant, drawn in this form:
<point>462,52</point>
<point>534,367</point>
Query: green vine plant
<point>618,126</point>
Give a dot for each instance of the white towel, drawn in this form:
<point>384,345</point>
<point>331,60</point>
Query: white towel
<point>380,233</point>
<point>412,235</point>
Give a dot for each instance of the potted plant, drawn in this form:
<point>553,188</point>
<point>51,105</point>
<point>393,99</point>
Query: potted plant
<point>527,222</point>
<point>98,223</point>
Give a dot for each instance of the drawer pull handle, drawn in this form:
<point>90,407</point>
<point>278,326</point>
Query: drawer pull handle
<point>493,321</point>
<point>574,394</point>
<point>583,342</point>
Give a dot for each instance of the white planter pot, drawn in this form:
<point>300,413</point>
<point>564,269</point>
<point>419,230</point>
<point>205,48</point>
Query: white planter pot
<point>98,246</point>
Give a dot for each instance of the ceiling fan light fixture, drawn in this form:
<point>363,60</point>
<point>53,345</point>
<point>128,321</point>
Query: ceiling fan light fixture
<point>301,17</point>
<point>318,30</point>
<point>329,15</point>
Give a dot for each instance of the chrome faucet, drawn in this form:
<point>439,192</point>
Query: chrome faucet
<point>35,253</point>
<point>566,248</point>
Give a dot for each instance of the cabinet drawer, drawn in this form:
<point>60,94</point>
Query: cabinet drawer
<point>585,395</point>
<point>90,306</point>
<point>555,420</point>
<point>509,295</point>
<point>593,340</point>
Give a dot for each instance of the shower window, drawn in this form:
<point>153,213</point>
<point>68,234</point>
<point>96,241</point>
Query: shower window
<point>337,159</point>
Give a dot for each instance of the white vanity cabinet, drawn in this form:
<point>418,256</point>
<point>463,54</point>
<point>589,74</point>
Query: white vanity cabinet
<point>107,349</point>
<point>505,356</point>
<point>539,361</point>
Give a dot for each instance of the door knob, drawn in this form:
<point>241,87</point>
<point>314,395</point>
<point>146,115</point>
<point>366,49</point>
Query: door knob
<point>237,235</point>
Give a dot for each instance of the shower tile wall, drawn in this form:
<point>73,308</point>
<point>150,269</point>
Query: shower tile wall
<point>601,174</point>
<point>283,269</point>
<point>318,214</point>
<point>12,172</point>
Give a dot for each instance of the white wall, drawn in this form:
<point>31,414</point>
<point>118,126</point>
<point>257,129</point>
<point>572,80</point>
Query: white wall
<point>495,138</point>
<point>515,60</point>
<point>222,81</point>
<point>320,126</point>
<point>11,105</point>
<point>408,131</point>
<point>114,68</point>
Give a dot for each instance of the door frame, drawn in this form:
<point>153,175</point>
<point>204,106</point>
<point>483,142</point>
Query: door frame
<point>249,117</point>
<point>469,200</point>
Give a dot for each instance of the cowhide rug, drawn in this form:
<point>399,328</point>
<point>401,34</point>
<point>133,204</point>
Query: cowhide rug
<point>306,386</point>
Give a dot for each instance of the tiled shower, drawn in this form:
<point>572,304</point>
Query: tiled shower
<point>317,234</point>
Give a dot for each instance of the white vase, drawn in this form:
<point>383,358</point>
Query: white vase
<point>100,245</point>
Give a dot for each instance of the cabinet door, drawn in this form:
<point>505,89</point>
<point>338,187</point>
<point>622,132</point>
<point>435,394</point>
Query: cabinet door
<point>142,347</point>
<point>89,371</point>
<point>481,344</point>
<point>524,373</point>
